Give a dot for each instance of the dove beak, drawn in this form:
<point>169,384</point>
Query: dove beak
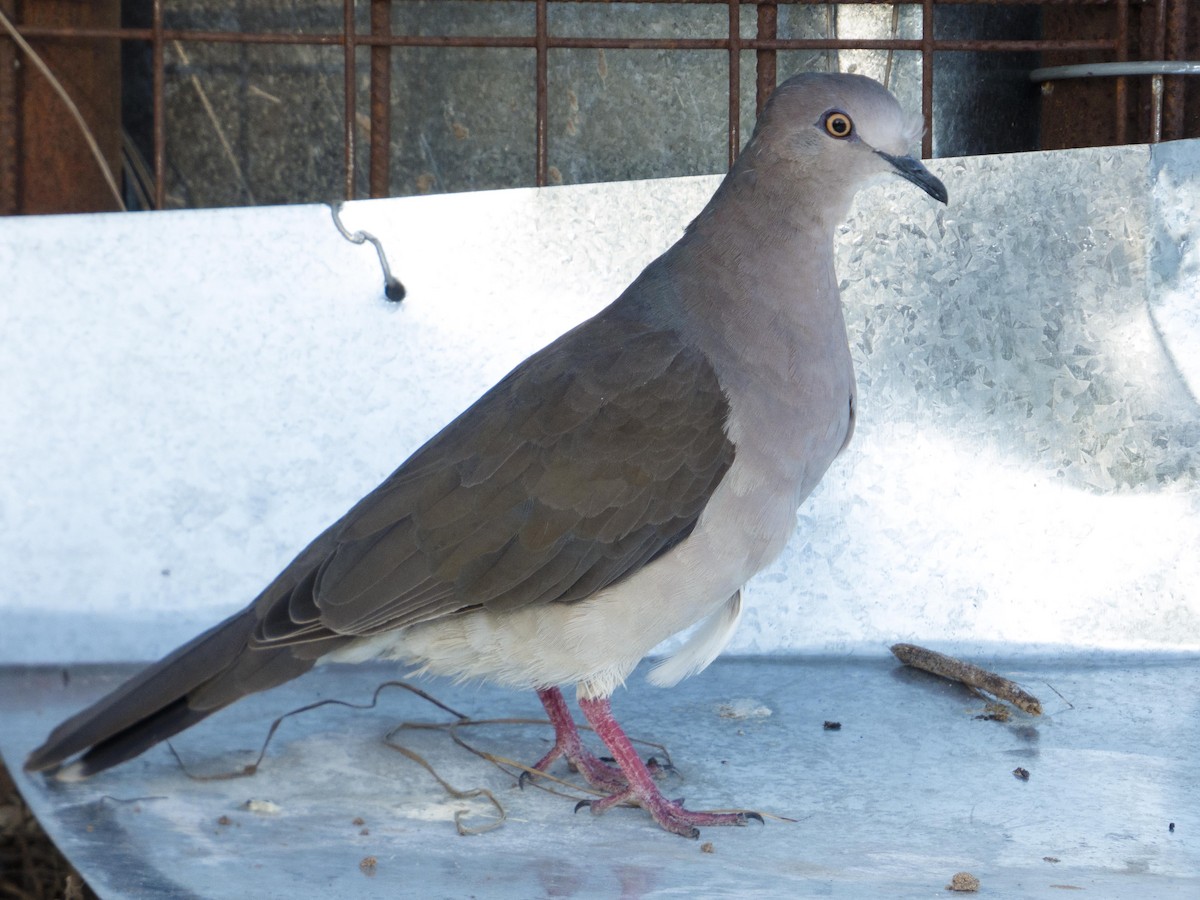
<point>910,168</point>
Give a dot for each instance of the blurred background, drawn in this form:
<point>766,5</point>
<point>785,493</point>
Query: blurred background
<point>203,103</point>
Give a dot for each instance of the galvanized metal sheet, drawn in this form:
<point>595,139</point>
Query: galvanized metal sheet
<point>913,788</point>
<point>191,396</point>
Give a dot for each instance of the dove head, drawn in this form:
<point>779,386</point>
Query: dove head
<point>830,134</point>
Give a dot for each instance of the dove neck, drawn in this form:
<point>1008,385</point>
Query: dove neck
<point>773,208</point>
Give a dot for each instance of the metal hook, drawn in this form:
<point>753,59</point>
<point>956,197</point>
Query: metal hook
<point>392,288</point>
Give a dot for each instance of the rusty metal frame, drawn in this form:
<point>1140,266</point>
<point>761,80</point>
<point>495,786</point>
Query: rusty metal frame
<point>8,120</point>
<point>765,44</point>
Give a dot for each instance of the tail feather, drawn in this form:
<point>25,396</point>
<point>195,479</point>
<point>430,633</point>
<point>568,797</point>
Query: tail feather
<point>135,740</point>
<point>204,675</point>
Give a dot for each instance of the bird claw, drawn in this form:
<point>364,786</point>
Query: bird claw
<point>670,814</point>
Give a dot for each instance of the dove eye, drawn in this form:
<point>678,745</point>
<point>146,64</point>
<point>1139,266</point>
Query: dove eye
<point>838,124</point>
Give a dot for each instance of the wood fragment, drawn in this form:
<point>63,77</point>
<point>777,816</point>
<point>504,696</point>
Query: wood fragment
<point>967,673</point>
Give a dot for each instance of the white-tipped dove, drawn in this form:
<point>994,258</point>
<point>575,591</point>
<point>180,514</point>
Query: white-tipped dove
<point>617,487</point>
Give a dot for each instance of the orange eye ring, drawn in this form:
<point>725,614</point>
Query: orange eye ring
<point>838,125</point>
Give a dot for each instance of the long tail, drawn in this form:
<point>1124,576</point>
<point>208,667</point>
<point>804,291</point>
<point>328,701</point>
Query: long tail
<point>201,677</point>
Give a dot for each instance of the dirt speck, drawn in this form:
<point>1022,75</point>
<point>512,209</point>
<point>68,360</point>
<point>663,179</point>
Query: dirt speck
<point>707,847</point>
<point>963,882</point>
<point>995,712</point>
<point>1021,773</point>
<point>368,865</point>
<point>832,726</point>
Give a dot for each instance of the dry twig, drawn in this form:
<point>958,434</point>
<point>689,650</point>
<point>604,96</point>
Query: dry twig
<point>969,674</point>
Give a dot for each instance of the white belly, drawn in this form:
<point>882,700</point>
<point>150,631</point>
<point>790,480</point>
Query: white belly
<point>597,642</point>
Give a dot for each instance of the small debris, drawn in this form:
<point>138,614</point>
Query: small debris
<point>368,864</point>
<point>1171,827</point>
<point>262,807</point>
<point>743,709</point>
<point>1021,773</point>
<point>995,712</point>
<point>1050,859</point>
<point>224,820</point>
<point>359,820</point>
<point>964,882</point>
<point>707,847</point>
<point>365,831</point>
<point>971,675</point>
<point>832,726</point>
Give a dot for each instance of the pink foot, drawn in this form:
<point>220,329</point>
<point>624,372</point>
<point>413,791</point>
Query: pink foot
<point>640,789</point>
<point>569,745</point>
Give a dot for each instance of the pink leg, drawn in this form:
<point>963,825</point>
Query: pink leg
<point>641,789</point>
<point>569,745</point>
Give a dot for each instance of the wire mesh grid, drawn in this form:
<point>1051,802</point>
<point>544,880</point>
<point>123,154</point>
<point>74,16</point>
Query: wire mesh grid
<point>367,39</point>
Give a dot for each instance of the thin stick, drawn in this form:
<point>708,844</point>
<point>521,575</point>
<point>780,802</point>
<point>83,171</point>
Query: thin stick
<point>971,675</point>
<point>216,123</point>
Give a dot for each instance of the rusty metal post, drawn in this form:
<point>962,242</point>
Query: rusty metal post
<point>1175,40</point>
<point>735,78</point>
<point>9,163</point>
<point>927,77</point>
<point>1122,85</point>
<point>768,30</point>
<point>349,95</point>
<point>541,100</point>
<point>158,79</point>
<point>381,99</point>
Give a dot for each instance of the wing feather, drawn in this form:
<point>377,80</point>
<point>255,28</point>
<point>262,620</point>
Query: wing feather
<point>586,462</point>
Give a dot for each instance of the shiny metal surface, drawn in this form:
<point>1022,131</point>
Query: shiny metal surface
<point>912,789</point>
<point>1024,473</point>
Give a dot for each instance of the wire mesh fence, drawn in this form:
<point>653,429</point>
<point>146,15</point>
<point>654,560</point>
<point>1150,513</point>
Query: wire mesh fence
<point>240,103</point>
